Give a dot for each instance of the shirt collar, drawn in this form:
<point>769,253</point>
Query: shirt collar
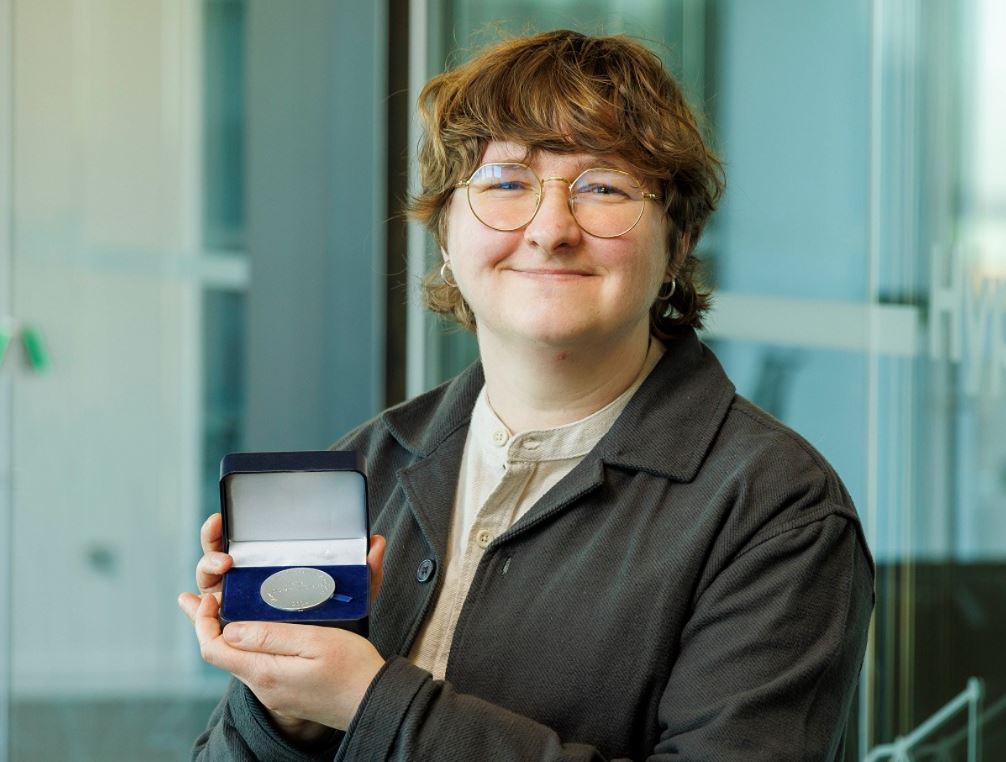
<point>498,445</point>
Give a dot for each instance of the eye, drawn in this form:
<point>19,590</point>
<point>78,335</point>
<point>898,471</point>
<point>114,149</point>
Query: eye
<point>508,185</point>
<point>504,180</point>
<point>601,190</point>
<point>605,185</point>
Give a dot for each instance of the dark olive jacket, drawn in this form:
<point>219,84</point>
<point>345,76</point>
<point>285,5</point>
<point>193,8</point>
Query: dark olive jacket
<point>698,588</point>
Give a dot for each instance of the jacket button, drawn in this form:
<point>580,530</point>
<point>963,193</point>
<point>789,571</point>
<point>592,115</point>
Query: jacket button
<point>425,570</point>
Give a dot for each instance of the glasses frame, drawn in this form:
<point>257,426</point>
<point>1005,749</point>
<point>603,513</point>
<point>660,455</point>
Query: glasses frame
<point>467,185</point>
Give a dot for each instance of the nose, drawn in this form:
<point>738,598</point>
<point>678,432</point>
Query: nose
<point>554,226</point>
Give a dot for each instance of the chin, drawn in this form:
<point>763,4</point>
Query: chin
<point>556,333</point>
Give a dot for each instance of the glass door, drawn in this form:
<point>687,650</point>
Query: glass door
<point>936,686</point>
<point>152,157</point>
<point>107,279</point>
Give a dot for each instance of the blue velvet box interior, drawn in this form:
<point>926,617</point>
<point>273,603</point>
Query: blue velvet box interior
<point>296,509</point>
<point>243,599</point>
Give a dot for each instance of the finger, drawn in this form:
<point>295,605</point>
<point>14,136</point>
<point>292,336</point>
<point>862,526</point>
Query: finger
<point>214,649</point>
<point>211,534</point>
<point>210,570</point>
<point>375,560</point>
<point>277,638</point>
<point>189,604</point>
<point>205,619</point>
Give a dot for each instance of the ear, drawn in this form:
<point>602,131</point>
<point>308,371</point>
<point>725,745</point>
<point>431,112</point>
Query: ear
<point>443,254</point>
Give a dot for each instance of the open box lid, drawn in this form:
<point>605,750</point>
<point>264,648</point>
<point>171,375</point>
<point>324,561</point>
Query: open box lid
<point>294,508</point>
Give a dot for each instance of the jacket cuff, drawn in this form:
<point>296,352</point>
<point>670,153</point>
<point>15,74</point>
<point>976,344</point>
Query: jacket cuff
<point>372,733</point>
<point>265,740</point>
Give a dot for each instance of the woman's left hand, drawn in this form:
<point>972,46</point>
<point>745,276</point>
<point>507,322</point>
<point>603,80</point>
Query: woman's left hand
<point>311,673</point>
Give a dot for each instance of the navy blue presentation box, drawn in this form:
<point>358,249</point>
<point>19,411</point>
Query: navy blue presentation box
<point>286,510</point>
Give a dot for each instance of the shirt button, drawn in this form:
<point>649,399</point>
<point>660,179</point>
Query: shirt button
<point>483,538</point>
<point>500,437</point>
<point>425,570</point>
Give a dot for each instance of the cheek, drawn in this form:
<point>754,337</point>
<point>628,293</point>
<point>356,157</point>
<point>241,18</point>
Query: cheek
<point>451,227</point>
<point>657,251</point>
<point>648,262</point>
<point>472,246</point>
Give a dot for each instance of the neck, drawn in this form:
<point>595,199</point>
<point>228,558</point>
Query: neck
<point>545,387</point>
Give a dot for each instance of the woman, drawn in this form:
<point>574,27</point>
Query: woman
<point>595,549</point>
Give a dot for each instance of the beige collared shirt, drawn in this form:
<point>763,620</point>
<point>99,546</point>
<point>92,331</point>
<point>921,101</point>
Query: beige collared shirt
<point>502,476</point>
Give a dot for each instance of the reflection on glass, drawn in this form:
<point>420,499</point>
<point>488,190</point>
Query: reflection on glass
<point>223,124</point>
<point>223,386</point>
<point>940,528</point>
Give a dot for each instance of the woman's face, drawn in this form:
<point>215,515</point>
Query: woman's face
<point>550,284</point>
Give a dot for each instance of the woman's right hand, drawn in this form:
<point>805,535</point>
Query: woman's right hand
<point>210,572</point>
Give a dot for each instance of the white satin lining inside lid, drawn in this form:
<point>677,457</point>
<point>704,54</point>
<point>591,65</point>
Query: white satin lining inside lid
<point>295,505</point>
<point>300,552</point>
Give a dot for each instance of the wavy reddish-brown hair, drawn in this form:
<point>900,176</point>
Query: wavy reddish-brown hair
<point>566,92</point>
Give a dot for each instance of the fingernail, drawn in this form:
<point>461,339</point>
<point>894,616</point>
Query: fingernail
<point>234,633</point>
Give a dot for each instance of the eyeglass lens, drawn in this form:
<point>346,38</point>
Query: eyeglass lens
<point>605,202</point>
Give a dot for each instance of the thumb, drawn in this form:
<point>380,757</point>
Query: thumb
<point>375,560</point>
<point>268,637</point>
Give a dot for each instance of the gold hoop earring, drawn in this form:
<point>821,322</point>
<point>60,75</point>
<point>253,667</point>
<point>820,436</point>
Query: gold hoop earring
<point>444,269</point>
<point>661,297</point>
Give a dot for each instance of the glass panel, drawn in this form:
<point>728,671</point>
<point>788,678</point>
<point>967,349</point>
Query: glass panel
<point>659,23</point>
<point>943,248</point>
<point>132,257</point>
<point>223,387</point>
<point>224,125</point>
<point>104,441</point>
<point>794,130</point>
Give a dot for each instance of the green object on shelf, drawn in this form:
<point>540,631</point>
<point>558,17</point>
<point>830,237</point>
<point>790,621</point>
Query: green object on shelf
<point>4,342</point>
<point>35,349</point>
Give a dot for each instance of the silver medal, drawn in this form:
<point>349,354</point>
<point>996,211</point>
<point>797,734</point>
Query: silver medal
<point>297,589</point>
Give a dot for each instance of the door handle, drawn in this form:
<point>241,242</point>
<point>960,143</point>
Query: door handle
<point>31,340</point>
<point>34,347</point>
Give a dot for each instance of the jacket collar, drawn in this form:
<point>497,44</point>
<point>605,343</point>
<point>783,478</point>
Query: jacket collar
<point>666,429</point>
<point>421,424</point>
<point>671,422</point>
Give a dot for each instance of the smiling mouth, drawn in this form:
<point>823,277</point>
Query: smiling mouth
<point>553,273</point>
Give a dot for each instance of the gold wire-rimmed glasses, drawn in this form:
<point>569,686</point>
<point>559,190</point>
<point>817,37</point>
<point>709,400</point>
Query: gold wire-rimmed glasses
<point>605,202</point>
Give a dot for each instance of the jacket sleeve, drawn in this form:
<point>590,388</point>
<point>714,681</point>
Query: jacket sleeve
<point>239,729</point>
<point>770,659</point>
<point>766,669</point>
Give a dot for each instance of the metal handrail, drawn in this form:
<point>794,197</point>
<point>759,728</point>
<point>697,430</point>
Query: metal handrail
<point>971,697</point>
<point>940,749</point>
